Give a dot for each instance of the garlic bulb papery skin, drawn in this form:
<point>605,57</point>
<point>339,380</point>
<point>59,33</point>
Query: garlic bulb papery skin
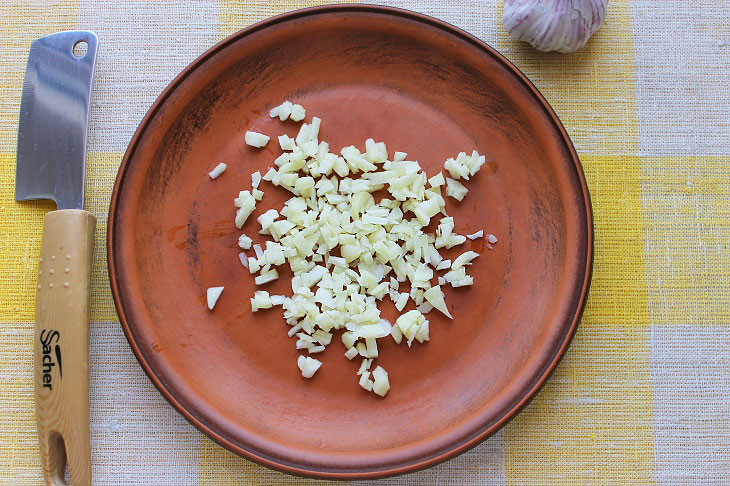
<point>554,25</point>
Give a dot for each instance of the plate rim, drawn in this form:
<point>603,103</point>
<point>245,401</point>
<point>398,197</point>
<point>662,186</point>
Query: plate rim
<point>372,473</point>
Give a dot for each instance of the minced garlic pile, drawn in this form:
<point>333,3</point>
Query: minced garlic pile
<point>346,250</point>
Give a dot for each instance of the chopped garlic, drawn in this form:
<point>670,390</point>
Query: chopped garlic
<point>253,265</point>
<point>245,203</point>
<point>346,249</point>
<point>282,111</point>
<point>278,299</point>
<point>491,239</point>
<point>435,297</point>
<point>244,242</point>
<point>255,180</point>
<point>424,308</point>
<point>262,299</point>
<point>464,259</point>
<point>266,277</point>
<point>455,189</point>
<point>308,366</point>
<point>437,180</point>
<point>402,301</point>
<point>426,210</point>
<point>213,294</point>
<point>266,220</point>
<point>297,113</point>
<point>372,347</point>
<point>464,165</point>
<point>444,265</point>
<point>285,143</point>
<point>256,139</point>
<point>409,324</point>
<point>397,334</point>
<point>381,385</point>
<point>364,366</point>
<point>366,382</point>
<point>422,334</point>
<point>258,251</point>
<point>349,338</point>
<point>218,170</point>
<point>458,277</point>
<point>323,337</point>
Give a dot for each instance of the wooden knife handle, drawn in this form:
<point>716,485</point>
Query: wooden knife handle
<point>61,348</point>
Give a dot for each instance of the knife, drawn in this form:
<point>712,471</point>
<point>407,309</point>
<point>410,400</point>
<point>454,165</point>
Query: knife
<point>54,113</point>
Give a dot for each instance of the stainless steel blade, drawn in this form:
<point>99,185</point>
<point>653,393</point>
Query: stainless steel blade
<point>54,113</point>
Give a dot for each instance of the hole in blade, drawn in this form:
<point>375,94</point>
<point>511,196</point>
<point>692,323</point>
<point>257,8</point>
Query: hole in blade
<point>80,49</point>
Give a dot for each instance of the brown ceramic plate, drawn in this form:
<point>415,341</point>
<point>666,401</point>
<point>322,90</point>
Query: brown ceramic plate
<point>423,87</point>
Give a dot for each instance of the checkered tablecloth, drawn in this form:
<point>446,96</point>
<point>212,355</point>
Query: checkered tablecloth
<point>643,394</point>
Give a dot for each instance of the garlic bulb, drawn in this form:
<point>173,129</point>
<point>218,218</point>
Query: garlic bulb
<point>554,25</point>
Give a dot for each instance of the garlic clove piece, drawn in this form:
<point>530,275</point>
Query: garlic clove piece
<point>212,296</point>
<point>554,25</point>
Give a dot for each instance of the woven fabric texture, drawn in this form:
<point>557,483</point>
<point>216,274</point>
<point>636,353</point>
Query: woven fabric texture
<point>643,394</point>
